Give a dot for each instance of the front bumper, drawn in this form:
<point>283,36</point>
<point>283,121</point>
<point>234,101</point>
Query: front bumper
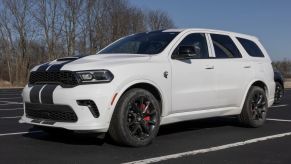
<point>101,94</point>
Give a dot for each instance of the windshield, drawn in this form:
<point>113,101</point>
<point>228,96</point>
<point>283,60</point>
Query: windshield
<point>142,43</point>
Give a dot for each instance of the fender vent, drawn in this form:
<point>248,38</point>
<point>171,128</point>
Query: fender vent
<point>91,105</point>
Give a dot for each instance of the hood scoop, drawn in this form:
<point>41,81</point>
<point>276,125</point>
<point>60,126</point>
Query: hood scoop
<point>69,58</point>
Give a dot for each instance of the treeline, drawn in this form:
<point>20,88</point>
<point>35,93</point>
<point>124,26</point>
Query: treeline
<point>35,31</point>
<point>284,67</point>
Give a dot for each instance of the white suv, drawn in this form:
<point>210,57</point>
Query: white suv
<point>145,80</point>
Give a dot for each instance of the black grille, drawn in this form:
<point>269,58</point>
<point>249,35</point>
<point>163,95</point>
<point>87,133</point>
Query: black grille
<point>50,112</point>
<point>65,78</point>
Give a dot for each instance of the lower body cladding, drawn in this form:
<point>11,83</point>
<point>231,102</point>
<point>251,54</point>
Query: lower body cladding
<point>81,108</point>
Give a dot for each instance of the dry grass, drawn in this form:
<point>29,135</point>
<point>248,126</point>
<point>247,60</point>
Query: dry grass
<point>7,84</point>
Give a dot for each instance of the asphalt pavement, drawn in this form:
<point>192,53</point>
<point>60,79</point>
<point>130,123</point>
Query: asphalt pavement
<point>214,140</point>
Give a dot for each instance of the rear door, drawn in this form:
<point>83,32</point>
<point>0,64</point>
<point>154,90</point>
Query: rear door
<point>233,72</point>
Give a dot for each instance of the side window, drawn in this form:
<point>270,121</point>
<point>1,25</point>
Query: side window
<point>224,47</point>
<point>251,47</point>
<point>198,42</point>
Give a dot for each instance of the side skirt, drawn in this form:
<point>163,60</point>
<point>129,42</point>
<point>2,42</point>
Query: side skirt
<point>200,114</point>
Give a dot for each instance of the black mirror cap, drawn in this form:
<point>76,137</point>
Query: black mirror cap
<point>184,52</point>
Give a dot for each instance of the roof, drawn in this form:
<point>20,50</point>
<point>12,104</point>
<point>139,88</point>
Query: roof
<point>210,31</point>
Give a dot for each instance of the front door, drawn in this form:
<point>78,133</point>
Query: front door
<point>193,85</point>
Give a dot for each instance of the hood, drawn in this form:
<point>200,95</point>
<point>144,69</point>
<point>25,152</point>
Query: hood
<point>104,61</point>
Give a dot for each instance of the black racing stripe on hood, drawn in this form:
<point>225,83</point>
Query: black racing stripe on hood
<point>43,67</point>
<point>46,95</point>
<point>58,67</point>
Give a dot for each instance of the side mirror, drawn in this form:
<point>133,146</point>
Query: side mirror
<point>185,52</point>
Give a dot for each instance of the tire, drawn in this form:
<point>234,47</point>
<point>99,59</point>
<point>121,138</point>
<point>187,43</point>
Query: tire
<point>255,107</point>
<point>136,118</point>
<point>279,93</point>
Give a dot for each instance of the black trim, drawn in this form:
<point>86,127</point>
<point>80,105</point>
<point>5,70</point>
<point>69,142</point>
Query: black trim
<point>67,79</point>
<point>34,93</point>
<point>68,58</point>
<point>91,105</point>
<point>36,121</point>
<point>48,122</point>
<point>50,113</point>
<point>47,94</point>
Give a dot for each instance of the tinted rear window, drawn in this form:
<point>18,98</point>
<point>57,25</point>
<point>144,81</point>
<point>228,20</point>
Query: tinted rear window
<point>251,47</point>
<point>224,47</point>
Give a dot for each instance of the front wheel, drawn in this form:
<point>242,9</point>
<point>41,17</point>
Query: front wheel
<point>254,111</point>
<point>136,118</point>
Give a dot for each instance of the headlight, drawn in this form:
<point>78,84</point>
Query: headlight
<point>95,76</point>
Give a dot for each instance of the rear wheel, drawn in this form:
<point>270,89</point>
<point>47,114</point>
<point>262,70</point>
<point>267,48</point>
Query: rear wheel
<point>135,121</point>
<point>254,111</point>
<point>279,93</point>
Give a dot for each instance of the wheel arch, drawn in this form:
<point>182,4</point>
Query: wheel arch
<point>143,84</point>
<point>258,83</point>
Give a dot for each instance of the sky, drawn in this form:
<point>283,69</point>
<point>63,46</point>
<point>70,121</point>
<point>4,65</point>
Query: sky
<point>269,20</point>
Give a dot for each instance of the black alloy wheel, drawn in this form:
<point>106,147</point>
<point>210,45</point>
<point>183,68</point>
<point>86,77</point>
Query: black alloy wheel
<point>279,93</point>
<point>258,106</point>
<point>136,118</point>
<point>141,117</point>
<point>254,112</point>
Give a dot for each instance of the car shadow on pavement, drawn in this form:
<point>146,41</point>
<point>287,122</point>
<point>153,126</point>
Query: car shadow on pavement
<point>198,125</point>
<point>69,137</point>
<point>66,137</point>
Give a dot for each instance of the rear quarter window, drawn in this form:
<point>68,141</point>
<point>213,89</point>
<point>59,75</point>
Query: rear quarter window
<point>251,47</point>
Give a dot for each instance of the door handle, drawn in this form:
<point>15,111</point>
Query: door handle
<point>247,66</point>
<point>209,67</point>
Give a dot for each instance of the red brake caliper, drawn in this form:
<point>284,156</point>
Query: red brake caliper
<point>146,118</point>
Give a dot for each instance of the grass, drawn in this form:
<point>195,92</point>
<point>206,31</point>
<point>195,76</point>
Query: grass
<point>7,84</point>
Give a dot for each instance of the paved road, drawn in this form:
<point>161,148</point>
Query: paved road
<point>216,140</point>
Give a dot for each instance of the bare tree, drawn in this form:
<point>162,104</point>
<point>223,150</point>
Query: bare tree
<point>7,44</point>
<point>284,67</point>
<point>34,31</point>
<point>19,10</point>
<point>72,12</point>
<point>137,20</point>
<point>159,20</point>
<point>97,24</point>
<point>47,16</point>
